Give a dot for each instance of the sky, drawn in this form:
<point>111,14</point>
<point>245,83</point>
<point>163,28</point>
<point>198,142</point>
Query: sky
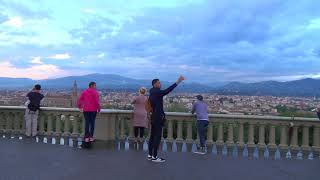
<point>208,41</point>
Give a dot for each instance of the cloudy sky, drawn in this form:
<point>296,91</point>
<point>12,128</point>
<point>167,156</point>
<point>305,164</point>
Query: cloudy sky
<point>207,40</point>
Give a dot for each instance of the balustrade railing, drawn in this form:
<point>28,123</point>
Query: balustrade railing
<point>225,132</point>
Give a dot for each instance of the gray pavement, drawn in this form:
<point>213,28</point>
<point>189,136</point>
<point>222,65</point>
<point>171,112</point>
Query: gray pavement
<point>27,160</point>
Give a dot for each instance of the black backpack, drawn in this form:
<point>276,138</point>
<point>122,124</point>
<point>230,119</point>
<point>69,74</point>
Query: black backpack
<point>33,107</point>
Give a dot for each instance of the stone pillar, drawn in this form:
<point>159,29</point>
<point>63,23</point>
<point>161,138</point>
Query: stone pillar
<point>272,140</point>
<point>220,141</point>
<point>230,142</point>
<point>294,141</point>
<point>179,139</point>
<point>210,137</point>
<point>66,128</point>
<point>305,139</point>
<point>283,139</point>
<point>189,139</point>
<point>261,143</point>
<point>41,124</point>
<point>75,127</point>
<point>122,128</point>
<point>240,137</point>
<point>316,140</point>
<point>49,125</point>
<point>251,143</point>
<point>58,126</point>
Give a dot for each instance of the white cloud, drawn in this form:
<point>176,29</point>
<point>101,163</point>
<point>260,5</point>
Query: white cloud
<point>101,55</point>
<point>14,22</point>
<point>60,56</point>
<point>39,71</point>
<point>89,11</point>
<point>82,62</point>
<point>36,60</point>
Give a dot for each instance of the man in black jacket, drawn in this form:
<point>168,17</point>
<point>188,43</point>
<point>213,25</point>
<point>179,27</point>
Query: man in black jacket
<point>158,116</point>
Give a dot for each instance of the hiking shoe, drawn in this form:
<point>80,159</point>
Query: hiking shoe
<point>149,158</point>
<point>158,160</point>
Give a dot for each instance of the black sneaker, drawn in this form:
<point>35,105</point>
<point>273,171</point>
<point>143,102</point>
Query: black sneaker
<point>158,160</point>
<point>149,158</point>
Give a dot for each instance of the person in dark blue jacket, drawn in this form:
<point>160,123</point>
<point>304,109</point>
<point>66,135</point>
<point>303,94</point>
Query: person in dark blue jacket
<point>158,116</point>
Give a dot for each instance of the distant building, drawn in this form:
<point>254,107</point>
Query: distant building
<point>74,95</point>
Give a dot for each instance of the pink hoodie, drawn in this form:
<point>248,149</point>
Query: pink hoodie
<point>89,101</point>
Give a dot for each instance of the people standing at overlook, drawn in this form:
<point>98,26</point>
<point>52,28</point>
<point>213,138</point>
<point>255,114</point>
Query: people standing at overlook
<point>201,110</point>
<point>158,116</point>
<point>89,104</point>
<point>139,120</point>
<point>32,111</point>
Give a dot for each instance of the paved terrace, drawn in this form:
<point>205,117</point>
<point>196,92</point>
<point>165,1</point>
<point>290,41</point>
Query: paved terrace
<point>27,160</point>
<point>256,135</point>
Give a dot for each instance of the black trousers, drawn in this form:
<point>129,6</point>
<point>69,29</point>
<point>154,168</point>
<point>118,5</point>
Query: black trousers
<point>138,131</point>
<point>157,122</point>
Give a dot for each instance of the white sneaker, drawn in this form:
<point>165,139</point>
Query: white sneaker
<point>201,150</point>
<point>149,158</point>
<point>158,160</point>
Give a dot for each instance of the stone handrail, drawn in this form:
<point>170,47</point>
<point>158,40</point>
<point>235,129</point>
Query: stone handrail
<point>223,129</point>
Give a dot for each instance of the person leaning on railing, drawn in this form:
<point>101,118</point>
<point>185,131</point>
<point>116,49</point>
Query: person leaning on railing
<point>34,100</point>
<point>139,120</point>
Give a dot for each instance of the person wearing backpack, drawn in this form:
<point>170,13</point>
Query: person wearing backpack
<point>139,120</point>
<point>157,116</point>
<point>32,111</point>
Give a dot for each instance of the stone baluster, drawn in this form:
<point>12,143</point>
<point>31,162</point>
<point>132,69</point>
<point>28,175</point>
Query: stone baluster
<point>305,138</point>
<point>17,123</point>
<point>210,134</point>
<point>83,125</point>
<point>170,131</point>
<point>41,124</point>
<point>283,138</point>
<point>66,128</point>
<point>75,126</point>
<point>294,139</point>
<point>261,143</point>
<point>230,134</point>
<point>131,129</point>
<point>122,128</point>
<point>8,129</point>
<point>251,135</point>
<point>22,123</point>
<point>240,135</point>
<point>49,125</point>
<point>272,136</point>
<point>189,132</point>
<point>58,125</point>
<point>179,131</point>
<point>316,140</point>
<point>220,134</point>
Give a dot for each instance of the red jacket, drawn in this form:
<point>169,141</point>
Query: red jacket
<point>89,100</point>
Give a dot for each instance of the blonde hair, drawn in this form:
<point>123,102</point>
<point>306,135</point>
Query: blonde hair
<point>142,90</point>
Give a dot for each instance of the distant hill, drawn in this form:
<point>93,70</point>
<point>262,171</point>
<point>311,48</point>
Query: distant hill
<point>300,88</point>
<point>104,81</point>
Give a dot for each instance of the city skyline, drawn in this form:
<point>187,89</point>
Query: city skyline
<point>207,41</point>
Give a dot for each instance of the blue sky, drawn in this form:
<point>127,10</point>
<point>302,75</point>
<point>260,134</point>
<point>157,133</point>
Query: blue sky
<point>206,40</point>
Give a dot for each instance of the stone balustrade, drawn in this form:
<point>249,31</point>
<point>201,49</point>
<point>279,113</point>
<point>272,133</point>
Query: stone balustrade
<point>223,130</point>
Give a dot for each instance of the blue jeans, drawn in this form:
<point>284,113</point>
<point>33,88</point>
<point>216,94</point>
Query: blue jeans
<point>202,125</point>
<point>90,118</point>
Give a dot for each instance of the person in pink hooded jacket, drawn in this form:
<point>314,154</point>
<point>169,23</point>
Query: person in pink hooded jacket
<point>89,104</point>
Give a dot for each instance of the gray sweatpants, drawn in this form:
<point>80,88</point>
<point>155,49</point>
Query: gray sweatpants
<point>31,118</point>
